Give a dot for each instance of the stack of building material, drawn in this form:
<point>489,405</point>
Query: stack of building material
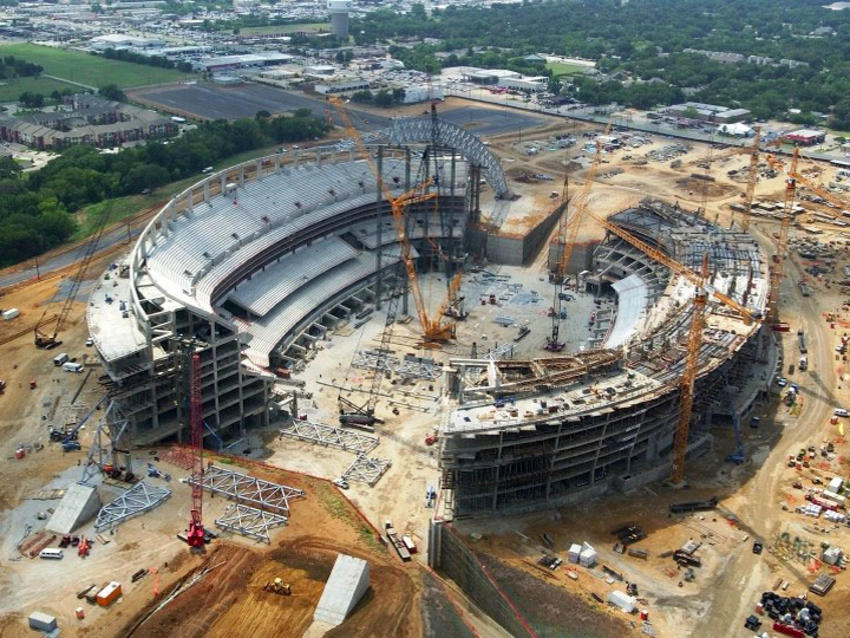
<point>574,553</point>
<point>834,517</point>
<point>832,555</point>
<point>587,558</point>
<point>836,484</point>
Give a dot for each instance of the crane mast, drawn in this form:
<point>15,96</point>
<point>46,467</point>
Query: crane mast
<point>434,329</point>
<point>686,400</point>
<point>195,536</point>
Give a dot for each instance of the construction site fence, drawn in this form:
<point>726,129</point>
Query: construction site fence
<point>449,555</point>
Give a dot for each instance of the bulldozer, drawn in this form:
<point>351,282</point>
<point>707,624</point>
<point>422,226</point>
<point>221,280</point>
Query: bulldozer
<point>277,586</point>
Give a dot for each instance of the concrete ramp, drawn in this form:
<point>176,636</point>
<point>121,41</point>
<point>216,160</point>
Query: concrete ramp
<point>346,585</point>
<point>80,503</point>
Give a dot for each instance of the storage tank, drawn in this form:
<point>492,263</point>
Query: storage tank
<point>339,17</point>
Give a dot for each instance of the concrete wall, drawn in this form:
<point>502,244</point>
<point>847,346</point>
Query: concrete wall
<point>509,249</point>
<point>453,558</point>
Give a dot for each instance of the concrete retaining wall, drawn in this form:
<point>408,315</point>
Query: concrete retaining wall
<point>451,557</point>
<point>509,249</point>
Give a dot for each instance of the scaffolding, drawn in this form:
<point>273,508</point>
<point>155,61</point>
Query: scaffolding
<point>250,521</point>
<point>366,470</point>
<point>330,436</point>
<point>137,500</point>
<point>243,488</point>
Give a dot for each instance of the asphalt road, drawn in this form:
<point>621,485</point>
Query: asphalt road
<point>27,270</point>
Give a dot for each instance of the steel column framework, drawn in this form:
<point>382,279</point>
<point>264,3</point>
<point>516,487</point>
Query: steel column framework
<point>244,488</point>
<point>137,500</point>
<point>250,521</point>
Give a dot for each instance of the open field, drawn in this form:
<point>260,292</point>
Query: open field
<point>307,27</point>
<point>91,70</point>
<point>11,88</point>
<point>563,68</point>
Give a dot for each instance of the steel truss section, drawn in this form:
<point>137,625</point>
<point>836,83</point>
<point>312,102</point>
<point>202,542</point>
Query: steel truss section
<point>407,130</point>
<point>419,370</point>
<point>249,521</point>
<point>243,488</point>
<point>137,500</point>
<point>366,470</point>
<point>375,360</point>
<point>329,436</point>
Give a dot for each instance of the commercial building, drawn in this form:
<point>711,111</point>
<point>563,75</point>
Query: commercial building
<point>708,112</point>
<point>805,137</point>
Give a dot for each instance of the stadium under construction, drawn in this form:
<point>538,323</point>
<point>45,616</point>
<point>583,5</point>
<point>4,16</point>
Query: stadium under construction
<point>255,267</point>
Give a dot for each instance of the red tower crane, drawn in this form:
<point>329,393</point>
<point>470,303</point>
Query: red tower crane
<point>195,536</point>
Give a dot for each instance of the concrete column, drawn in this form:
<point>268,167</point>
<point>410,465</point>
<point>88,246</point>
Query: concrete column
<point>241,176</point>
<point>206,190</point>
<point>259,170</point>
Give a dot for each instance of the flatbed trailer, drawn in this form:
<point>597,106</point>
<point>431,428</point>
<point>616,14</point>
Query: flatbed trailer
<point>396,541</point>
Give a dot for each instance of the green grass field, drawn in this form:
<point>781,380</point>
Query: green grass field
<point>11,89</point>
<point>561,68</point>
<point>307,27</point>
<point>91,70</point>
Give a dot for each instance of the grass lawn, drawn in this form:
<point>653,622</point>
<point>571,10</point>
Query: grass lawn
<point>561,68</point>
<point>11,89</point>
<point>307,27</point>
<point>91,70</point>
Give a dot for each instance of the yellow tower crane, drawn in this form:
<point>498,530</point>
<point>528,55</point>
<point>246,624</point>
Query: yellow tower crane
<point>434,329</point>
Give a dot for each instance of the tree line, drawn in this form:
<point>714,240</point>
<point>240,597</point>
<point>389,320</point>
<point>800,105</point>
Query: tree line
<point>37,208</point>
<point>151,60</point>
<point>640,47</point>
<point>12,67</point>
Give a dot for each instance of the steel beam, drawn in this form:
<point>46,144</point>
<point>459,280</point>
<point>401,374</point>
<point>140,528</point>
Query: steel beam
<point>137,500</point>
<point>250,521</point>
<point>366,470</point>
<point>243,488</point>
<point>329,436</point>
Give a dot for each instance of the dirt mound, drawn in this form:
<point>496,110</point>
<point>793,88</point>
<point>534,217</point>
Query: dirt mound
<point>229,600</point>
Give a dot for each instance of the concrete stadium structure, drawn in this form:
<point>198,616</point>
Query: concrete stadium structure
<point>252,265</point>
<point>553,430</point>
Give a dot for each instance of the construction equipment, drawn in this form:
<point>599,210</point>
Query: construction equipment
<point>195,536</point>
<point>434,329</point>
<point>686,401</point>
<point>782,237</point>
<point>47,341</point>
<point>567,234</point>
<point>815,188</point>
<point>364,415</point>
<point>752,178</point>
<point>277,586</point>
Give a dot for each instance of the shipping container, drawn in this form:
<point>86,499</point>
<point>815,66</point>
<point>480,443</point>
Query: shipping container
<point>109,594</point>
<point>59,359</point>
<point>70,366</point>
<point>51,553</point>
<point>10,314</point>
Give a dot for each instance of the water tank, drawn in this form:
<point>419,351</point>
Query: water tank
<point>338,10</point>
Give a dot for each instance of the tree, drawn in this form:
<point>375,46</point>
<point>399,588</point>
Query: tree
<point>31,100</point>
<point>262,115</point>
<point>8,168</point>
<point>383,98</point>
<point>112,92</point>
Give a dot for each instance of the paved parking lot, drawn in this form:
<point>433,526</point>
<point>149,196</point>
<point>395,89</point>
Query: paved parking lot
<point>491,121</point>
<point>217,102</point>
